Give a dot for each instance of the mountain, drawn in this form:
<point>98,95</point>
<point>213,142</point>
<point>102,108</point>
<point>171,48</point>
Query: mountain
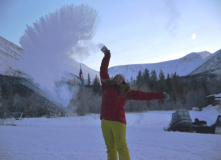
<point>212,65</point>
<point>10,54</point>
<point>182,66</point>
<point>20,91</point>
<point>85,69</point>
<point>190,64</point>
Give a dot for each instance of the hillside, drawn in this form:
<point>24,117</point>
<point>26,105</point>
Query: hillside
<point>10,54</point>
<point>21,95</point>
<point>212,65</point>
<point>182,66</point>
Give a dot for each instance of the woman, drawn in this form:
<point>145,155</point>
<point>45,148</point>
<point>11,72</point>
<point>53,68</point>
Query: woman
<point>115,93</point>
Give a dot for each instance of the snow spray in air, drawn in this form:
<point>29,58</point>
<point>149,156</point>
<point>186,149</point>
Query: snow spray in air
<point>52,44</point>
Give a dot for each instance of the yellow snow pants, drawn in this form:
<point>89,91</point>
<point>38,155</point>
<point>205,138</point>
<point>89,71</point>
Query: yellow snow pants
<point>114,134</point>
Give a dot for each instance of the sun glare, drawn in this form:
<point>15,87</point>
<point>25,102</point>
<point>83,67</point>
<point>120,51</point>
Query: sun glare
<point>193,36</point>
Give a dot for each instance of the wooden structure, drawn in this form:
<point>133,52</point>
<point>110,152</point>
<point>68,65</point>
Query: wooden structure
<point>214,99</point>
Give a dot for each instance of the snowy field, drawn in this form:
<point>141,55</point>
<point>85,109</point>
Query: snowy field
<point>80,138</point>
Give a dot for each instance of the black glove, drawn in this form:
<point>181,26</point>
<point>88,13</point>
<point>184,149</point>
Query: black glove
<point>165,96</point>
<point>105,50</point>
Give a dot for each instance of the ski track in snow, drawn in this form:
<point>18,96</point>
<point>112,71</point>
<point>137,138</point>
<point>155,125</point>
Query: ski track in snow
<point>80,138</point>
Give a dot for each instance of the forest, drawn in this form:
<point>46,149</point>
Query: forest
<point>185,92</point>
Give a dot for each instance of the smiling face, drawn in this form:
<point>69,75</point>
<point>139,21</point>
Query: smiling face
<point>118,80</point>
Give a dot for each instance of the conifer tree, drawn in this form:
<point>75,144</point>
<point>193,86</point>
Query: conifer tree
<point>96,87</point>
<point>153,79</point>
<point>161,76</point>
<point>139,79</point>
<point>162,83</point>
<point>146,76</point>
<point>1,102</point>
<point>88,79</point>
<point>168,82</point>
<point>153,76</point>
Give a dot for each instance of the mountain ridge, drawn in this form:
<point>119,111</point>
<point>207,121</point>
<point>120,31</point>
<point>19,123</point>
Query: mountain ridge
<point>10,54</point>
<point>182,66</point>
<point>212,65</point>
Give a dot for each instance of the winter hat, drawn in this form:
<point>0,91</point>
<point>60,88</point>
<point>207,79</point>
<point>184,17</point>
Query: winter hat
<point>121,75</point>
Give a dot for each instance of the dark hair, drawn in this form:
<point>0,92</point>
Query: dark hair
<point>123,88</point>
<point>121,75</point>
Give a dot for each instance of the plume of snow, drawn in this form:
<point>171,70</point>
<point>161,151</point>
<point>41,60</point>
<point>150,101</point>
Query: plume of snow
<point>55,42</point>
<point>100,45</point>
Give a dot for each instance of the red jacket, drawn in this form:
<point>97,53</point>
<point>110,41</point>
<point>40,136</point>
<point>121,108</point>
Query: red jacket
<point>112,107</point>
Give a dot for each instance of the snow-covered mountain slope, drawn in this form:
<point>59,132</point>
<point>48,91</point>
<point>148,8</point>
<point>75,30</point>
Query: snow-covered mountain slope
<point>11,57</point>
<point>212,65</point>
<point>182,66</point>
<point>86,70</point>
<point>10,54</point>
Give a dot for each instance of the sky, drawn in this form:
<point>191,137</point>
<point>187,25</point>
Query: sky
<point>143,31</point>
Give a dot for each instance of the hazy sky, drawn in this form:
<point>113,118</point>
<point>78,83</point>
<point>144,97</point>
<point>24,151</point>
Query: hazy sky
<point>136,31</point>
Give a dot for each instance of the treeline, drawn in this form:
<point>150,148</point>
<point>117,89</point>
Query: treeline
<point>185,92</point>
<point>88,99</point>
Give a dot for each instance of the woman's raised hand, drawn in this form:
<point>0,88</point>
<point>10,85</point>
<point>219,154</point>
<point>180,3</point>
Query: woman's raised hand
<point>105,50</point>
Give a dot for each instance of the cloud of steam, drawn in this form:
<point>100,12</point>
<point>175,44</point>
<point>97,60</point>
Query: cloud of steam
<point>173,16</point>
<point>52,42</point>
<point>100,45</point>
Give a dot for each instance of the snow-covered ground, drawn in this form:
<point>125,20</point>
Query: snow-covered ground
<point>80,138</point>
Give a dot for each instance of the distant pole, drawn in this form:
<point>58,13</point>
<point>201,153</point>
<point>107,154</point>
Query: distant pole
<point>82,84</point>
